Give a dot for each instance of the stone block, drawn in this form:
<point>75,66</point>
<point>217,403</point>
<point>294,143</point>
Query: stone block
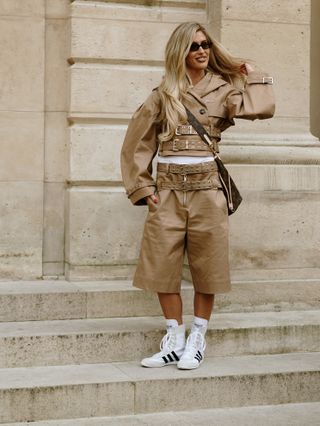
<point>103,228</point>
<point>276,128</point>
<point>95,152</point>
<point>62,392</point>
<point>21,135</point>
<point>22,63</point>
<point>41,300</point>
<point>280,178</point>
<point>171,11</point>
<point>53,269</point>
<point>37,343</point>
<point>281,235</point>
<point>285,11</point>
<point>57,8</point>
<point>111,88</point>
<point>56,150</point>
<point>22,8</point>
<point>53,233</point>
<point>291,75</point>
<point>56,72</point>
<point>98,38</point>
<point>21,225</point>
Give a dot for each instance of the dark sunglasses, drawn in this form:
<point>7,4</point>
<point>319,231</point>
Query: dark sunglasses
<point>204,44</point>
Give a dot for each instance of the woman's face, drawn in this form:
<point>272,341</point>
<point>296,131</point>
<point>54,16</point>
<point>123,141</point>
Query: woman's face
<point>198,60</point>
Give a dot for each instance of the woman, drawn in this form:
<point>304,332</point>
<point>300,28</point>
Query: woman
<point>187,208</point>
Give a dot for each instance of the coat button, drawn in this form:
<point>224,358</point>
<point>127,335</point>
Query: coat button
<point>202,111</point>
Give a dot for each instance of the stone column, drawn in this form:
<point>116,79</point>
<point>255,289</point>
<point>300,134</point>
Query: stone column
<point>22,50</point>
<point>315,68</point>
<point>57,42</point>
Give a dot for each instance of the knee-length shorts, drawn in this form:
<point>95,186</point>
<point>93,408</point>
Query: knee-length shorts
<point>191,217</point>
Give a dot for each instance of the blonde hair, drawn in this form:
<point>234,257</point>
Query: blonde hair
<point>175,83</point>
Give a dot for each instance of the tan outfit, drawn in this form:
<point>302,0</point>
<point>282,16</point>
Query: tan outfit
<point>192,213</point>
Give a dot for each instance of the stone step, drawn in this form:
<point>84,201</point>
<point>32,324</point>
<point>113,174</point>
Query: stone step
<point>59,342</point>
<point>50,300</point>
<point>93,390</point>
<point>303,414</point>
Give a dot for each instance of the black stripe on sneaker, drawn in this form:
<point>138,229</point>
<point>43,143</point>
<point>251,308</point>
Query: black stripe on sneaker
<point>170,357</point>
<point>175,355</point>
<point>197,358</point>
<point>165,359</point>
<point>200,355</point>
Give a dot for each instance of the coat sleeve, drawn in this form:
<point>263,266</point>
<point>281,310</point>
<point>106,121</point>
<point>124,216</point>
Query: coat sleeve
<point>139,148</point>
<point>255,101</point>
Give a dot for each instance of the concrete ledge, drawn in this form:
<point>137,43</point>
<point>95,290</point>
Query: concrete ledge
<point>275,415</point>
<point>40,343</point>
<point>39,393</point>
<point>51,300</point>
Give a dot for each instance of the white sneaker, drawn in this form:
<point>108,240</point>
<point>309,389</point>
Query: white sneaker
<point>193,354</point>
<point>171,348</point>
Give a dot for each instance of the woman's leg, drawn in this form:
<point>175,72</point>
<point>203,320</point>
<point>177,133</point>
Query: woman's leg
<point>203,305</point>
<point>171,304</point>
<point>193,354</point>
<point>173,343</point>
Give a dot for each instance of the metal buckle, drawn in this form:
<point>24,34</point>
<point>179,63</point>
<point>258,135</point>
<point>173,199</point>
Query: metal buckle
<point>184,129</point>
<point>174,147</point>
<point>267,80</point>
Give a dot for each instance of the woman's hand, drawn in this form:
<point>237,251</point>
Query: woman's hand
<point>246,68</point>
<point>153,198</point>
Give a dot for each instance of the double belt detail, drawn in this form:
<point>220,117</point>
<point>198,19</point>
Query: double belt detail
<point>175,176</point>
<point>187,185</point>
<point>187,129</point>
<point>184,145</point>
<point>187,169</point>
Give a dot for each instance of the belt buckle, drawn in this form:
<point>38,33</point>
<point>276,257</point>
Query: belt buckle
<point>184,129</point>
<point>174,147</point>
<point>267,80</point>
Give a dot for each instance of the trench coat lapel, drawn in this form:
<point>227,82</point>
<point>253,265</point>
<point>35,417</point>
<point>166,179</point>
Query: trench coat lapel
<point>209,83</point>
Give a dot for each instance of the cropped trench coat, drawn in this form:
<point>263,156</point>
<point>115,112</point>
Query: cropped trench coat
<point>213,101</point>
<point>193,222</point>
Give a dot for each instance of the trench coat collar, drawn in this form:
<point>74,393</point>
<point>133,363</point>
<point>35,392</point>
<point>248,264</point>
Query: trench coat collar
<point>207,84</point>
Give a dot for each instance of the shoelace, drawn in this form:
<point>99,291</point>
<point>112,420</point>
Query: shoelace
<point>168,341</point>
<point>196,342</point>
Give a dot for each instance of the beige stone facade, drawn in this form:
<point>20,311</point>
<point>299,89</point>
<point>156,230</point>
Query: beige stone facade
<point>72,74</point>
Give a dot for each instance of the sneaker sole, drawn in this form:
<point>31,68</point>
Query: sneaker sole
<point>189,368</point>
<point>158,366</point>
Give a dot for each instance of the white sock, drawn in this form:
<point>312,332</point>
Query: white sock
<point>199,324</point>
<point>172,323</point>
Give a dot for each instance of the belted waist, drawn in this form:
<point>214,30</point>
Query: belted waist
<point>187,129</point>
<point>187,139</point>
<point>188,177</point>
<point>187,169</point>
<point>176,145</point>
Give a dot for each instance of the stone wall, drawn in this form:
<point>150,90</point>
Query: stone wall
<point>76,70</point>
<point>315,68</point>
<point>22,70</point>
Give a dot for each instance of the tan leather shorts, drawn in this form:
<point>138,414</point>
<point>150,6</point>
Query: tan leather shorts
<point>191,217</point>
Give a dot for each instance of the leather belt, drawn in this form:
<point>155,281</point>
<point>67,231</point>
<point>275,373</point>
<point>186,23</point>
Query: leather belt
<point>187,129</point>
<point>185,145</point>
<point>187,186</point>
<point>187,169</point>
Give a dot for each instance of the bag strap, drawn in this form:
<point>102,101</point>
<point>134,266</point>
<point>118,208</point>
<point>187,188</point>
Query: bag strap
<point>201,131</point>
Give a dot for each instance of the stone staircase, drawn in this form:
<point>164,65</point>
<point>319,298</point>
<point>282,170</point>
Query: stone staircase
<point>69,355</point>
